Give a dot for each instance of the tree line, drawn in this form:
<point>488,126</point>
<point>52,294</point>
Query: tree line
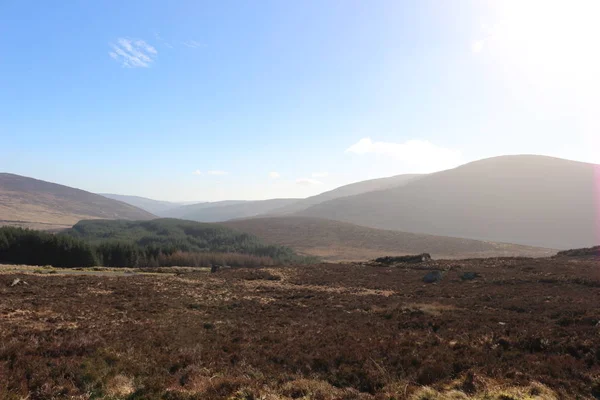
<point>140,244</point>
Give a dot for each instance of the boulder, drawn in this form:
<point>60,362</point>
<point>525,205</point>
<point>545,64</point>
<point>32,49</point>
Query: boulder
<point>469,276</point>
<point>433,277</point>
<point>404,259</point>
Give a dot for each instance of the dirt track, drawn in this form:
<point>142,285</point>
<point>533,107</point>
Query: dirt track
<point>350,331</point>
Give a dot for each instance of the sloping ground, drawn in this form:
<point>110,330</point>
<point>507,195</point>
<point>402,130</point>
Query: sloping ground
<point>226,210</point>
<point>155,207</point>
<point>525,329</point>
<point>347,190</point>
<point>530,200</point>
<point>592,252</point>
<point>32,203</point>
<point>334,240</point>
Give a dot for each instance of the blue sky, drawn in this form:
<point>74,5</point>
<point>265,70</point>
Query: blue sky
<point>198,100</point>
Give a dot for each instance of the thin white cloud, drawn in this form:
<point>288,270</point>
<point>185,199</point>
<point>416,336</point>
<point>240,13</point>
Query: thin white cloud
<point>163,41</point>
<point>193,44</point>
<point>419,155</point>
<point>319,174</point>
<point>217,172</point>
<point>133,53</point>
<point>308,182</point>
<point>197,172</point>
<point>274,175</point>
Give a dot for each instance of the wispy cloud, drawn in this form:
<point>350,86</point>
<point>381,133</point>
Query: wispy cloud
<point>193,44</point>
<point>217,172</point>
<point>274,175</point>
<point>420,155</point>
<point>308,182</point>
<point>133,53</point>
<point>197,172</point>
<point>163,41</point>
<point>319,174</point>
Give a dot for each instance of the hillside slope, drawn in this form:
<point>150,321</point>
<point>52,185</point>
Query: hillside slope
<point>156,207</point>
<point>226,210</point>
<point>532,200</point>
<point>334,240</point>
<point>347,190</point>
<point>38,204</point>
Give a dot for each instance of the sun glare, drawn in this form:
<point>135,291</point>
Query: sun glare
<point>552,42</point>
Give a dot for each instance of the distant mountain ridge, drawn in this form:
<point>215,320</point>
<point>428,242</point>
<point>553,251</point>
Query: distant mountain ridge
<point>348,190</point>
<point>35,203</point>
<point>526,199</point>
<point>156,207</point>
<point>226,210</point>
<point>238,209</point>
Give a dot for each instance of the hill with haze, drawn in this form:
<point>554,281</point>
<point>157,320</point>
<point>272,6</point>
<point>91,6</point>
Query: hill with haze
<point>38,204</point>
<point>337,241</point>
<point>347,190</point>
<point>156,207</point>
<point>531,200</point>
<point>226,210</point>
<point>213,211</point>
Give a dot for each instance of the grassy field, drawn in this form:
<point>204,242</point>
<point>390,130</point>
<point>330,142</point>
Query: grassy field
<point>526,328</point>
<point>341,241</point>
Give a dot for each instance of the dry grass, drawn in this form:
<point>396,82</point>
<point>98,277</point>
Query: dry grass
<point>341,241</point>
<point>35,204</point>
<point>525,330</point>
<point>185,259</point>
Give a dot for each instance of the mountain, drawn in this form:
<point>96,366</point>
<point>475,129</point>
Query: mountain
<point>34,203</point>
<point>183,210</point>
<point>336,241</point>
<point>156,207</point>
<point>226,210</point>
<point>532,200</point>
<point>347,190</point>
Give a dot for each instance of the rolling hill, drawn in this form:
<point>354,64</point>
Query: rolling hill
<point>226,210</point>
<point>336,241</point>
<point>37,204</point>
<point>213,211</point>
<point>156,207</point>
<point>531,200</point>
<point>347,190</point>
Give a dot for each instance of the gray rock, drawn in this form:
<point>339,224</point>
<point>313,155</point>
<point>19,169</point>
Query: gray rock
<point>433,277</point>
<point>469,276</point>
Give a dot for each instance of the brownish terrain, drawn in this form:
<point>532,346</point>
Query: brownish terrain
<point>36,204</point>
<point>342,241</point>
<point>523,329</point>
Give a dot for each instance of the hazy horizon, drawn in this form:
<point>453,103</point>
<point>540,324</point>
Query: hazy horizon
<point>186,101</point>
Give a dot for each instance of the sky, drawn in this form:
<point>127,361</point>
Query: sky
<point>213,100</point>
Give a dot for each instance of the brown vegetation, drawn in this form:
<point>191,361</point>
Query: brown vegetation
<point>183,259</point>
<point>341,241</point>
<point>31,203</point>
<point>524,328</point>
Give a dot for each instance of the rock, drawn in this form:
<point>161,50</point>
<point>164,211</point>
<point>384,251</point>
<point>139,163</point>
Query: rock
<point>403,259</point>
<point>433,277</point>
<point>469,276</point>
<point>18,281</point>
